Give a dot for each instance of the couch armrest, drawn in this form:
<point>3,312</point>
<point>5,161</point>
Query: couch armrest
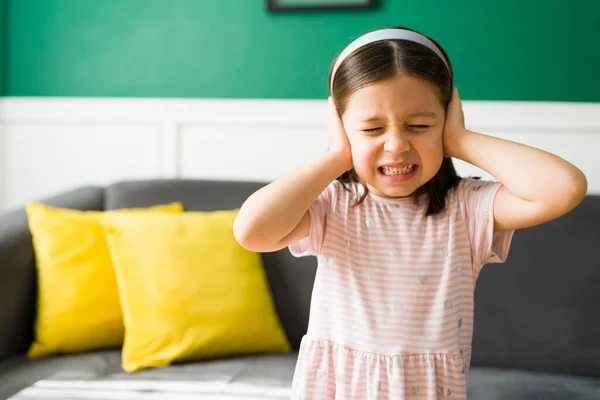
<point>17,268</point>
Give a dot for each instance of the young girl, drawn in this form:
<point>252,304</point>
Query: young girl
<point>400,238</point>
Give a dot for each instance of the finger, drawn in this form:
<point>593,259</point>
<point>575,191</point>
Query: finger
<point>335,117</point>
<point>456,96</point>
<point>332,107</point>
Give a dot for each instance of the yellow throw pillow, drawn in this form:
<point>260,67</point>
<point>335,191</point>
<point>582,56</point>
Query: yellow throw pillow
<point>189,291</point>
<point>78,306</point>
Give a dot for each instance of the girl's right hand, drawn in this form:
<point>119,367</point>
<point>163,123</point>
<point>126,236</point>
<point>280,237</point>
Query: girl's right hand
<point>338,140</point>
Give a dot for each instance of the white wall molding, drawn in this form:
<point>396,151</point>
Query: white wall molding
<point>48,145</point>
<point>2,162</point>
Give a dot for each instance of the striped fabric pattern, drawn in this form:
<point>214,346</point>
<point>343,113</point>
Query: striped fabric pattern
<point>392,307</point>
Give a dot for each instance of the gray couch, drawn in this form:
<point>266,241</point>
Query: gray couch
<point>537,324</point>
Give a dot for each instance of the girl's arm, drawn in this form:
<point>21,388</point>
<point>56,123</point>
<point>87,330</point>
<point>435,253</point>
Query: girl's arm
<point>537,186</point>
<point>276,215</point>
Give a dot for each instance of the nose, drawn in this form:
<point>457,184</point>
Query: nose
<point>396,143</point>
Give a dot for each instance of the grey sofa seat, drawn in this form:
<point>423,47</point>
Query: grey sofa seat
<point>500,384</point>
<point>536,316</point>
<point>101,370</point>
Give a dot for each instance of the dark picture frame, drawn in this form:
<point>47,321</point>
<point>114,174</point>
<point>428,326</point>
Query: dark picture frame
<point>277,6</point>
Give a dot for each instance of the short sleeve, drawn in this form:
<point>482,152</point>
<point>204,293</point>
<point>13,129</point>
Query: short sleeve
<point>476,199</point>
<point>319,212</point>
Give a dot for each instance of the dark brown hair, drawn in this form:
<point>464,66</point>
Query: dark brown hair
<point>383,60</point>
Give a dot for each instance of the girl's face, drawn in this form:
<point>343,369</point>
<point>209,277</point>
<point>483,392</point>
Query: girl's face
<point>395,131</point>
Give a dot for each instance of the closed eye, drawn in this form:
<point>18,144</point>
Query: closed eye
<point>371,130</point>
<point>419,127</point>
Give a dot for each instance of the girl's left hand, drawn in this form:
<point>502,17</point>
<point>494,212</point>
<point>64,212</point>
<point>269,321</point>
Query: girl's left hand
<point>454,126</point>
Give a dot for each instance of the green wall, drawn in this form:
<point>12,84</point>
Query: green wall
<point>502,50</point>
<point>2,46</point>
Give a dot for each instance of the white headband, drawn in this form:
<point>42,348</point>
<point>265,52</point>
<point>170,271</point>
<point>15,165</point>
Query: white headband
<point>385,34</point>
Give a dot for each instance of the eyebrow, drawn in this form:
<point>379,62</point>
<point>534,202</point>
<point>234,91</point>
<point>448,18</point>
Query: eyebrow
<point>419,114</point>
<point>424,114</point>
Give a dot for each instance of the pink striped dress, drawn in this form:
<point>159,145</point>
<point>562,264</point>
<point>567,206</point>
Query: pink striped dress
<point>392,307</point>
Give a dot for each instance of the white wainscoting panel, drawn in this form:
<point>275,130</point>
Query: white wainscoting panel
<point>43,159</point>
<point>50,145</point>
<point>2,163</point>
<point>238,152</point>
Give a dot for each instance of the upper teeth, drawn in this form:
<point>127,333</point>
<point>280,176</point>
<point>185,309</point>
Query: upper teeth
<point>396,171</point>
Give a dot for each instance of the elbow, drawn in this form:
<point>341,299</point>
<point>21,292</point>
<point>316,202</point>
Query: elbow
<point>242,233</point>
<point>575,190</point>
<point>579,187</point>
<point>246,235</point>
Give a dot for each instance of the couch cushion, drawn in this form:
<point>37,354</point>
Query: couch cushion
<point>498,384</point>
<point>189,291</point>
<point>74,376</point>
<point>18,372</point>
<point>73,259</point>
<point>17,268</point>
<point>539,310</point>
<point>290,278</point>
<point>195,195</point>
